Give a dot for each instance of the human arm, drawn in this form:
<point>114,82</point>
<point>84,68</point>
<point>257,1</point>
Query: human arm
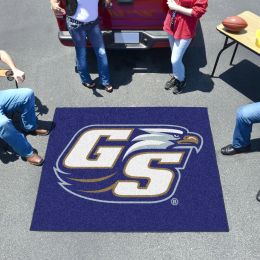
<point>178,8</point>
<point>55,6</point>
<point>18,75</point>
<point>197,10</point>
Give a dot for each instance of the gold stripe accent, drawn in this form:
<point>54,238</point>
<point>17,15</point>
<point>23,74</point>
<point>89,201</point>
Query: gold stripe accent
<point>92,180</point>
<point>99,191</point>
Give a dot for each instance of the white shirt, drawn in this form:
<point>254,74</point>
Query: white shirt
<point>87,11</point>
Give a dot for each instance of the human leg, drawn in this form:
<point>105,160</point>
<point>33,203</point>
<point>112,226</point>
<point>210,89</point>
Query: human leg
<point>246,116</point>
<point>22,101</point>
<point>171,40</point>
<point>97,42</point>
<point>14,138</point>
<point>178,47</point>
<point>170,83</point>
<point>178,50</point>
<point>78,34</point>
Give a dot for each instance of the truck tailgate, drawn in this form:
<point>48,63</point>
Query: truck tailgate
<point>134,14</point>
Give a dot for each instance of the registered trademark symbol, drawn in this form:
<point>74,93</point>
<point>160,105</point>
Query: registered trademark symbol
<point>174,202</point>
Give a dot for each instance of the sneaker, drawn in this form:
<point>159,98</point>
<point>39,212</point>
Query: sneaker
<point>178,86</point>
<point>170,83</point>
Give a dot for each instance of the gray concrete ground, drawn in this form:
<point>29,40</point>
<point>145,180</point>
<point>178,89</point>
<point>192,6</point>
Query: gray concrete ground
<point>28,31</point>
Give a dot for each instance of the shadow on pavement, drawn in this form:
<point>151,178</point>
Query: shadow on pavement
<point>194,59</point>
<point>125,63</point>
<point>40,109</point>
<point>6,154</point>
<point>255,145</point>
<point>244,77</point>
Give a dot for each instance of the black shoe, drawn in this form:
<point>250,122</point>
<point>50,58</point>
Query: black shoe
<point>170,83</point>
<point>230,150</point>
<point>178,86</point>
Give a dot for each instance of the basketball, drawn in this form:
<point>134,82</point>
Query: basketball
<point>234,23</point>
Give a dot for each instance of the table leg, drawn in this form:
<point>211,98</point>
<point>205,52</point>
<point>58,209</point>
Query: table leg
<point>226,45</point>
<point>234,53</point>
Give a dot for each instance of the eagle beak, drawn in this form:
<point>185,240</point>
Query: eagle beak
<point>189,139</point>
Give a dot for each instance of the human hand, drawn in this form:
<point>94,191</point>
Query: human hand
<point>18,75</point>
<point>108,3</point>
<point>55,6</point>
<point>172,5</point>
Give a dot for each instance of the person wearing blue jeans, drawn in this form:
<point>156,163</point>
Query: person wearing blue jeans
<point>246,116</point>
<point>83,24</point>
<point>20,101</point>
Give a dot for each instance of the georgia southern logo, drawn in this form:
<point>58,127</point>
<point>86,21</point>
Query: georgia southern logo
<point>126,163</point>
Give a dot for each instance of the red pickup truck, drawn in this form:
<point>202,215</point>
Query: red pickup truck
<point>128,24</point>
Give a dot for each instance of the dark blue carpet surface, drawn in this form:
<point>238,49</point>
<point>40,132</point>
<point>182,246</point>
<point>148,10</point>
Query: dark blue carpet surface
<point>130,169</point>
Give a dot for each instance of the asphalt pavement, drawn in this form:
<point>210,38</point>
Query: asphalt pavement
<point>28,31</point>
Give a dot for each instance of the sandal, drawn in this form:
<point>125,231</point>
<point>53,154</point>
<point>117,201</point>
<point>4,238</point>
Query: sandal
<point>89,85</point>
<point>108,88</point>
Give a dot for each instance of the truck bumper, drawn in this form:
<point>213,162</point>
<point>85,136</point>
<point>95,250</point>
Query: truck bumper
<point>122,39</point>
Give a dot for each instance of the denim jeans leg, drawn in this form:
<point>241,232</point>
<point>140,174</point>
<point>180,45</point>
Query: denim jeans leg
<point>27,111</point>
<point>179,47</point>
<point>17,100</point>
<point>246,116</point>
<point>96,38</point>
<point>22,101</point>
<point>14,138</point>
<point>171,40</point>
<point>78,34</point>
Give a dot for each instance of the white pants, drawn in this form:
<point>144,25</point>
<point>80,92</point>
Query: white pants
<point>179,47</point>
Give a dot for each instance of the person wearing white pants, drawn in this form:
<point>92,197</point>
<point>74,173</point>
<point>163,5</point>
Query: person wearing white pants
<point>180,24</point>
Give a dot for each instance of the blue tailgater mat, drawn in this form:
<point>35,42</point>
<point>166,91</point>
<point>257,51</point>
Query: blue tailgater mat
<point>147,169</point>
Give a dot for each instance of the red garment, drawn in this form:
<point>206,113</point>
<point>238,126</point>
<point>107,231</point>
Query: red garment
<point>185,26</point>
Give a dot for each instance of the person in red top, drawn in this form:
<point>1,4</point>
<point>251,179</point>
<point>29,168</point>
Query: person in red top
<point>180,24</point>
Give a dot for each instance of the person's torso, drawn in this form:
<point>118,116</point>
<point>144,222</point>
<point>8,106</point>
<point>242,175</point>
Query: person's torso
<point>184,26</point>
<point>186,3</point>
<point>87,11</point>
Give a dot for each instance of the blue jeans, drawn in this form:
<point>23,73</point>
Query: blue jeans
<point>246,116</point>
<point>17,101</point>
<point>80,33</point>
<point>179,47</point>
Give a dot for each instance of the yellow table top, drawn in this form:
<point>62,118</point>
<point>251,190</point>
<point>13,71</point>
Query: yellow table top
<point>246,37</point>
